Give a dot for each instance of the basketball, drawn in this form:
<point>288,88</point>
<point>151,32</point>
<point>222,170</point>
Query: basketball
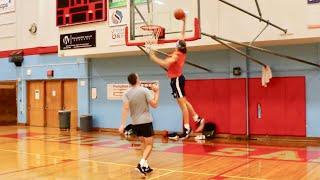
<point>179,14</point>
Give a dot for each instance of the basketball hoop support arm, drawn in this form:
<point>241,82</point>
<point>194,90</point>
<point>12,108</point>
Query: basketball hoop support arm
<point>255,16</point>
<point>140,14</point>
<point>259,10</point>
<point>234,49</point>
<point>266,51</point>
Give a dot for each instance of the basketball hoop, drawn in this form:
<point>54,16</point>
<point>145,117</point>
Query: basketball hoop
<point>151,35</point>
<point>161,38</point>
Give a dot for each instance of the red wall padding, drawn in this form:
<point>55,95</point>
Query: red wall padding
<point>283,107</point>
<point>220,101</point>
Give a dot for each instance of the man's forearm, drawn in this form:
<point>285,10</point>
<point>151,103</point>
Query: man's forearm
<point>124,117</point>
<point>183,32</point>
<point>155,100</point>
<point>159,61</point>
<point>156,97</point>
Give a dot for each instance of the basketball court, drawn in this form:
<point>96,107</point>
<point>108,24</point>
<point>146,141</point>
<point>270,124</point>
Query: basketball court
<point>233,86</point>
<point>41,153</point>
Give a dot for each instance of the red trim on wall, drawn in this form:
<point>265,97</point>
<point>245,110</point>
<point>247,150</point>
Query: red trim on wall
<point>32,51</point>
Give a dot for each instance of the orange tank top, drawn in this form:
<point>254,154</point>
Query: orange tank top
<point>176,69</point>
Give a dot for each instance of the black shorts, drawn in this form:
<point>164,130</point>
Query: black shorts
<point>177,86</point>
<point>144,130</point>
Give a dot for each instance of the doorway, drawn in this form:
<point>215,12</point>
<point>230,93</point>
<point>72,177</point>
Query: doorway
<point>46,98</point>
<point>8,103</point>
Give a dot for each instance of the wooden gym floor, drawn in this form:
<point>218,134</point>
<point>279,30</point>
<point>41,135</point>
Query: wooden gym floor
<point>43,153</point>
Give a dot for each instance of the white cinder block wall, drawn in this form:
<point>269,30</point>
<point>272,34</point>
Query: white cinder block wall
<point>216,18</point>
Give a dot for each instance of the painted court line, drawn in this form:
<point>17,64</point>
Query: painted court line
<point>161,175</point>
<point>221,175</point>
<point>128,165</point>
<point>173,171</point>
<point>34,154</point>
<point>259,148</point>
<point>240,177</point>
<point>112,163</point>
<point>49,156</point>
<point>199,162</point>
<point>32,168</point>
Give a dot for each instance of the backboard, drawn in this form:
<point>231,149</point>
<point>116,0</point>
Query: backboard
<point>161,13</point>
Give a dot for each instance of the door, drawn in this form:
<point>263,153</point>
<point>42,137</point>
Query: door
<point>8,103</point>
<point>36,103</point>
<point>70,100</point>
<point>53,103</point>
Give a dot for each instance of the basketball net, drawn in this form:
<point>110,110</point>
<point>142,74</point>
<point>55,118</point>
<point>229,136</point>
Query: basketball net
<point>266,75</point>
<point>151,35</point>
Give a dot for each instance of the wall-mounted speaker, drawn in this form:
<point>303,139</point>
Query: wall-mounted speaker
<point>16,58</point>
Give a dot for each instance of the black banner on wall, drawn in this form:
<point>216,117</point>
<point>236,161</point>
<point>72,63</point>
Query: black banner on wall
<point>78,40</point>
<point>313,1</point>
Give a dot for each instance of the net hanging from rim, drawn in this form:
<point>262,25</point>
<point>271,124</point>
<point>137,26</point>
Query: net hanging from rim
<point>151,35</point>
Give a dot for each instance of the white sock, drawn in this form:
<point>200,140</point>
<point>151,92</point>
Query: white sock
<point>142,162</point>
<point>195,118</point>
<point>146,164</point>
<point>187,126</point>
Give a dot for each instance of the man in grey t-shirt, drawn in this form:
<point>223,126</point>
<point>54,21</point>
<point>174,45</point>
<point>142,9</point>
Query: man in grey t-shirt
<point>136,101</point>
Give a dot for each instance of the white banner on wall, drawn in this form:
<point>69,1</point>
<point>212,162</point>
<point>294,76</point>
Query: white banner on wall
<point>313,14</point>
<point>118,17</point>
<point>117,36</point>
<point>116,91</point>
<point>7,6</point>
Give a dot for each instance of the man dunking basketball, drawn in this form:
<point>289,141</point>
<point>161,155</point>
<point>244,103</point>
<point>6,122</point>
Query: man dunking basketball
<point>174,64</point>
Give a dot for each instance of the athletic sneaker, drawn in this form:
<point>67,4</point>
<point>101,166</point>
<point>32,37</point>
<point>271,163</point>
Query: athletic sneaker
<point>140,169</point>
<point>147,169</point>
<point>200,137</point>
<point>173,136</point>
<point>186,133</point>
